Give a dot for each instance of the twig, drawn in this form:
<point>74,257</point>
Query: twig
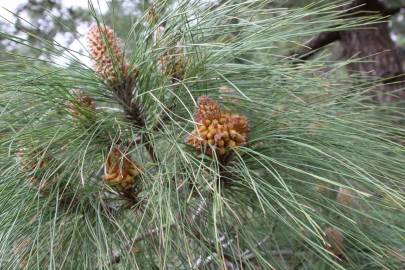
<point>134,111</point>
<point>201,263</point>
<point>247,254</point>
<point>200,208</point>
<point>135,114</point>
<point>116,256</point>
<point>224,244</point>
<point>312,46</point>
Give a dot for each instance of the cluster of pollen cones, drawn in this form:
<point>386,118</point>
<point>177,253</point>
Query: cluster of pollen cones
<point>106,52</point>
<point>120,170</point>
<point>217,130</point>
<point>110,63</point>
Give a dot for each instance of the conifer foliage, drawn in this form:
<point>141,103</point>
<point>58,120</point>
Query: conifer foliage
<point>193,143</point>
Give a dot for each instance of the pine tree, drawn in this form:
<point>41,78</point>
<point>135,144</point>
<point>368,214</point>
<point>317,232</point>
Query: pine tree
<point>193,143</point>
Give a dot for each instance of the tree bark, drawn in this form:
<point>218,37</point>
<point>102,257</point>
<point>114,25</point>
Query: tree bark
<point>377,57</point>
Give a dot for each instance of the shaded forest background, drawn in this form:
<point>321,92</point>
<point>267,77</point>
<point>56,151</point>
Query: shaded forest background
<point>54,31</point>
<point>58,23</point>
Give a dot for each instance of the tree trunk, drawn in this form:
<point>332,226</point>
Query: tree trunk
<point>378,56</point>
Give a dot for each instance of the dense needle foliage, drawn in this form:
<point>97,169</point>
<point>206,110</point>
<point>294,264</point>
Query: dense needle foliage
<point>98,170</point>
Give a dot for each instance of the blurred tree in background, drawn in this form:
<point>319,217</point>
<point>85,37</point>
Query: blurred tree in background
<point>377,57</point>
<point>40,23</point>
<point>43,19</point>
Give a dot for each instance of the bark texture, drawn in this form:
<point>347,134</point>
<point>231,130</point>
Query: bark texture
<point>377,56</point>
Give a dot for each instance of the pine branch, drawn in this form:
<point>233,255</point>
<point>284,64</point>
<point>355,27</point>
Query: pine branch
<point>195,215</point>
<point>135,114</point>
<point>277,162</point>
<point>119,76</point>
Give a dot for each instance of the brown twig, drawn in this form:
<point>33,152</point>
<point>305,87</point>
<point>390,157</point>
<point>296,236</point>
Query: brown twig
<point>312,46</point>
<point>245,256</point>
<point>136,115</point>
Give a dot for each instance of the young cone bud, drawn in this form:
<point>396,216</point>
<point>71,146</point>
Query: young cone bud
<point>120,170</point>
<point>82,101</point>
<point>345,197</point>
<point>216,129</point>
<point>20,249</point>
<point>226,95</point>
<point>108,58</point>
<point>33,164</point>
<point>173,63</point>
<point>334,241</point>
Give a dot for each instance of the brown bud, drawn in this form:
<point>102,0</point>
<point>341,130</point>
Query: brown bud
<point>173,63</point>
<point>120,170</point>
<point>81,102</point>
<point>334,241</point>
<point>345,196</point>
